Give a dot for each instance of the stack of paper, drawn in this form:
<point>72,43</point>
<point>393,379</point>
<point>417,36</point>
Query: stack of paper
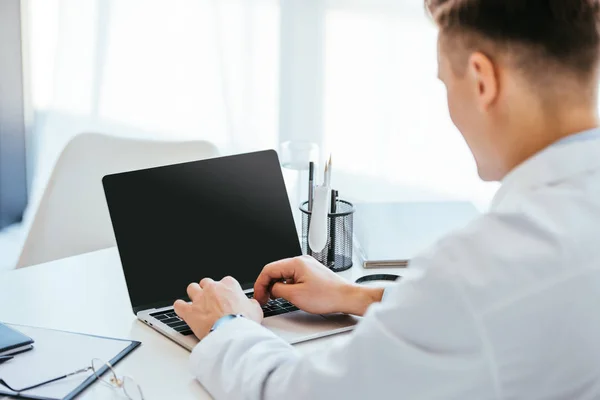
<point>391,234</point>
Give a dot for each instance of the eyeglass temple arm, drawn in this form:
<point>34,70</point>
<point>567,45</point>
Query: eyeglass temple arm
<point>3,382</point>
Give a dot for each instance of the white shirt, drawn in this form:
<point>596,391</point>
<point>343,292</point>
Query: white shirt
<point>507,308</point>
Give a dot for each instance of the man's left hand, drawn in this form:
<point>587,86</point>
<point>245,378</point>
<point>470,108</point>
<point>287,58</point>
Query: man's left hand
<point>212,300</point>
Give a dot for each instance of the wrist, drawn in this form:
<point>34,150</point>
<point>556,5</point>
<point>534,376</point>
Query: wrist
<point>356,299</point>
<point>223,320</point>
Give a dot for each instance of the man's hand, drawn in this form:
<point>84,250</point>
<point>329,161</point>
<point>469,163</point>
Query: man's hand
<point>212,300</point>
<point>313,288</point>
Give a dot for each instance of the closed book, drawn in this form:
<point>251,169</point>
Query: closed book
<point>389,235</point>
<point>13,341</point>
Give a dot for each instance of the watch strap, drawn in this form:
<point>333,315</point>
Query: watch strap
<point>224,319</point>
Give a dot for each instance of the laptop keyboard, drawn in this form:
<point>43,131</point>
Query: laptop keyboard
<point>272,308</point>
<point>171,319</point>
<point>276,307</point>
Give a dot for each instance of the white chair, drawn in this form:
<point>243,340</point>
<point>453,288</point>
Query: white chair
<point>72,217</point>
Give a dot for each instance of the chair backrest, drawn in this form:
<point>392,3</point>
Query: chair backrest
<point>72,217</point>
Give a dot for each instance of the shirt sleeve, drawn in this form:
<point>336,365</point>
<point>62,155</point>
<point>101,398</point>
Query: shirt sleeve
<point>385,293</point>
<point>412,345</point>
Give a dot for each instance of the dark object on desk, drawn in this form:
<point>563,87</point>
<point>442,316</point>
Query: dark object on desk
<point>311,184</point>
<point>4,359</point>
<point>12,341</point>
<point>223,216</point>
<point>337,254</point>
<point>391,234</point>
<point>30,372</point>
<point>378,277</point>
<point>18,350</point>
<point>332,211</point>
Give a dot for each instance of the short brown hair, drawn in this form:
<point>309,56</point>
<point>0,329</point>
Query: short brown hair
<point>564,32</point>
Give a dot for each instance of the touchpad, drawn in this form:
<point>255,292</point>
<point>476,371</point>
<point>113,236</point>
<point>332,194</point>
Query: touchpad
<point>343,319</point>
<point>299,324</point>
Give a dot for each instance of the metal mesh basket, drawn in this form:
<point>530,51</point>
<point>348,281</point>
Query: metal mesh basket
<point>337,254</point>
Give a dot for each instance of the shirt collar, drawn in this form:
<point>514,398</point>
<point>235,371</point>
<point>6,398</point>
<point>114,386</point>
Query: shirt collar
<point>573,155</point>
<point>591,134</point>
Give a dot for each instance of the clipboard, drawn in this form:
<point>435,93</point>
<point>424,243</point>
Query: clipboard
<point>50,341</point>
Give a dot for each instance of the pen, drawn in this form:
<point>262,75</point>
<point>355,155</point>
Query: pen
<point>331,252</point>
<point>334,198</point>
<point>5,358</point>
<point>311,184</point>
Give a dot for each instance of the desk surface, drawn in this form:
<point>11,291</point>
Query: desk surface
<point>87,294</point>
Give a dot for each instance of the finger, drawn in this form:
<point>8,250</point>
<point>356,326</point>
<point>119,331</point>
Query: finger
<point>194,291</point>
<point>182,309</point>
<point>275,271</point>
<point>230,281</point>
<point>206,282</point>
<point>255,302</point>
<point>258,308</point>
<point>282,290</point>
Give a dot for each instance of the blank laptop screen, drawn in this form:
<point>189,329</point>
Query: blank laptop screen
<point>178,224</point>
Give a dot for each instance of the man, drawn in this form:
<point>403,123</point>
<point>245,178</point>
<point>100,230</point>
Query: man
<point>508,308</point>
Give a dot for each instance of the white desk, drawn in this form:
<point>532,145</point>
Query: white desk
<point>87,294</point>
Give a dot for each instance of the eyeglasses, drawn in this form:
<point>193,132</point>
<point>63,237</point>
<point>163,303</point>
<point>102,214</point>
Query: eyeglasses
<point>104,372</point>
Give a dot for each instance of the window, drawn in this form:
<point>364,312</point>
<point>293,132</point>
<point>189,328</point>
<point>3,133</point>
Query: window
<point>383,112</point>
<point>355,76</point>
<point>181,69</point>
<point>13,179</point>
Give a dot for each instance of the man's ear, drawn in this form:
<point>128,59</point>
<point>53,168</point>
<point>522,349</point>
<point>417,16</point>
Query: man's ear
<point>483,74</point>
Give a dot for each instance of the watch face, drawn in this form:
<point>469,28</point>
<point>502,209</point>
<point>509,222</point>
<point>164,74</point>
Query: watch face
<point>379,284</point>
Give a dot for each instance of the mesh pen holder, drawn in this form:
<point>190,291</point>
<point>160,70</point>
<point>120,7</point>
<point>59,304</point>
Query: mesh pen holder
<point>337,254</point>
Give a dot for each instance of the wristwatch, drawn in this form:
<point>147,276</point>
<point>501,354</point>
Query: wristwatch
<point>224,319</point>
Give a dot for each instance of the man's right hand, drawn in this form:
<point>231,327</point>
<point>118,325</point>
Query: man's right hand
<point>313,288</point>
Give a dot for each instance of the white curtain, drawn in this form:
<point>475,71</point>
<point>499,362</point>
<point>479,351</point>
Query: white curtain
<point>210,69</point>
<point>161,69</point>
<point>177,69</point>
<point>358,77</point>
<point>386,116</point>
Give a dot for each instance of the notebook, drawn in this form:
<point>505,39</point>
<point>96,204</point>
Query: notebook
<point>391,234</point>
<point>12,341</point>
<point>55,354</point>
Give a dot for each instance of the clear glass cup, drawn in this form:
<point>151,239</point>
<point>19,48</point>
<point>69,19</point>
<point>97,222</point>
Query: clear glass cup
<point>295,156</point>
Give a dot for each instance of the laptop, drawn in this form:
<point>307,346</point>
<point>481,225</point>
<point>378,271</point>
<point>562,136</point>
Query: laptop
<point>212,218</point>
